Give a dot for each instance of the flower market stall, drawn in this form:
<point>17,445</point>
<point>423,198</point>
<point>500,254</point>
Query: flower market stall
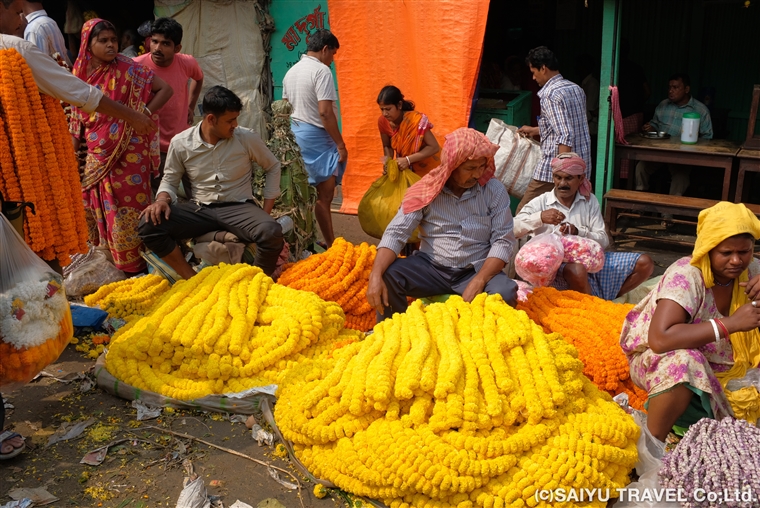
<point>448,404</point>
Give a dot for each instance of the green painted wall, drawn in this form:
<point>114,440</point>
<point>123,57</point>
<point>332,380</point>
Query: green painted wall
<point>294,20</point>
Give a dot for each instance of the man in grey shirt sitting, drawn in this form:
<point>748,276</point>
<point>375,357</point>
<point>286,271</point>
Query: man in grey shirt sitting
<point>216,158</point>
<point>465,232</point>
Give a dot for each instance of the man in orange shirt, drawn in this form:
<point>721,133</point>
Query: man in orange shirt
<point>176,69</point>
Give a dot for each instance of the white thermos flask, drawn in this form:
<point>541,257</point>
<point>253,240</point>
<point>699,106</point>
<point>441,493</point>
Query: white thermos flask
<point>690,128</point>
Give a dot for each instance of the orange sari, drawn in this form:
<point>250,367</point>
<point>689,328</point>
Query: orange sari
<point>406,140</point>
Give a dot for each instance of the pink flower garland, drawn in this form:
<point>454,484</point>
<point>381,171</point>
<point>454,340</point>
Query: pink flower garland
<point>540,259</point>
<point>584,251</point>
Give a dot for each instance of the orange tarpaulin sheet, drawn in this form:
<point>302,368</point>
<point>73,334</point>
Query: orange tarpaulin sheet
<point>430,49</point>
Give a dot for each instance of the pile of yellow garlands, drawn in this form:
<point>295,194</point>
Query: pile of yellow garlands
<point>341,275</point>
<point>593,326</point>
<point>456,404</point>
<point>227,329</point>
<point>129,298</point>
<point>37,163</point>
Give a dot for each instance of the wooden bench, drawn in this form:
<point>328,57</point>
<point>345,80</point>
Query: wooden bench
<point>619,199</point>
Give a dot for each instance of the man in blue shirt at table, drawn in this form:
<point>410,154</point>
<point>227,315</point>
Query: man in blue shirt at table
<point>667,118</point>
<point>465,232</point>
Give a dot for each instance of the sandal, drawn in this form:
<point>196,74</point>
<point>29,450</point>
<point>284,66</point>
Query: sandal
<point>5,438</point>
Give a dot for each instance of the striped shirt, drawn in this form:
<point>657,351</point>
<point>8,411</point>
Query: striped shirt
<point>42,31</point>
<point>562,122</point>
<point>459,232</point>
<point>668,117</point>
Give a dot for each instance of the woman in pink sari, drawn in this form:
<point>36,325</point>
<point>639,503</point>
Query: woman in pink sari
<point>120,163</point>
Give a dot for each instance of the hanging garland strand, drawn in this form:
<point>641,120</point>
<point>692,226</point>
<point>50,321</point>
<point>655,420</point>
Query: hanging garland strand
<point>38,163</point>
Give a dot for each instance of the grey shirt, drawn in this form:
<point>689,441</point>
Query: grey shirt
<point>221,172</point>
<point>459,232</point>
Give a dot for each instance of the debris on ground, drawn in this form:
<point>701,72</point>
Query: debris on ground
<point>144,411</point>
<point>69,431</point>
<point>39,496</point>
<point>262,436</point>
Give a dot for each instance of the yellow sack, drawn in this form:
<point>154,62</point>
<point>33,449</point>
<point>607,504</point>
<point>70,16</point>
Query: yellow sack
<point>383,199</point>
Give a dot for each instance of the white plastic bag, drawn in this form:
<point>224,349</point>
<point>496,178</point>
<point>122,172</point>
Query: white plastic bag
<point>35,320</point>
<point>648,491</point>
<point>93,273</point>
<point>516,159</point>
<point>585,251</point>
<point>538,261</point>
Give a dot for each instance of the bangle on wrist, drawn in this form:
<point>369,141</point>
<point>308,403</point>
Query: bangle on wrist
<point>723,327</point>
<point>145,108</point>
<point>408,161</point>
<point>715,330</point>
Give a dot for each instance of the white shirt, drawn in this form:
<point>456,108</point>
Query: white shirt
<point>304,85</point>
<point>221,172</point>
<point>42,31</point>
<point>53,79</point>
<point>584,214</point>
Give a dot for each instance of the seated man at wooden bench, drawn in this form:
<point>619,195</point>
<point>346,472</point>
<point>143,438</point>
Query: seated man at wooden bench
<point>668,117</point>
<point>572,206</point>
<point>465,232</point>
<point>216,156</point>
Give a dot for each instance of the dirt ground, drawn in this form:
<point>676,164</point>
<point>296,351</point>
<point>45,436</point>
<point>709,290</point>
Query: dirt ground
<point>146,470</point>
<point>137,474</point>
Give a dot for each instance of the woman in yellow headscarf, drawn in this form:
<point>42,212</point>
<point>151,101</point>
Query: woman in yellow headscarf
<point>699,328</point>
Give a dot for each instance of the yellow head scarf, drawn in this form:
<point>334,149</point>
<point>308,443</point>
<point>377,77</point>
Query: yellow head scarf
<point>715,224</point>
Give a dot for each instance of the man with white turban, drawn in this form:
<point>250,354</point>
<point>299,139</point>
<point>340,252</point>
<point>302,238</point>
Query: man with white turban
<point>572,207</point>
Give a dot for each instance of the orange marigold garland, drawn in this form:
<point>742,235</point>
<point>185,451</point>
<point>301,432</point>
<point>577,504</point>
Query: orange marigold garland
<point>341,275</point>
<point>38,163</point>
<point>66,158</point>
<point>593,326</point>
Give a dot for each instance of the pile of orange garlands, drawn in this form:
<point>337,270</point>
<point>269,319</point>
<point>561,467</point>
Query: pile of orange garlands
<point>593,326</point>
<point>37,163</point>
<point>340,275</point>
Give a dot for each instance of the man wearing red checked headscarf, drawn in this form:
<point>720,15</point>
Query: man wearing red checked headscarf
<point>465,232</point>
<point>572,207</point>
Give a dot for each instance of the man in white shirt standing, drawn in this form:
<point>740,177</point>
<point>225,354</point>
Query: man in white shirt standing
<point>572,207</point>
<point>43,31</point>
<point>310,87</point>
<point>217,158</point>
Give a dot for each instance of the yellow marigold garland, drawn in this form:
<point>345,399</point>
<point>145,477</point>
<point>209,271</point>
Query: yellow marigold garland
<point>341,275</point>
<point>227,329</point>
<point>38,163</point>
<point>593,326</point>
<point>457,404</point>
<point>128,298</point>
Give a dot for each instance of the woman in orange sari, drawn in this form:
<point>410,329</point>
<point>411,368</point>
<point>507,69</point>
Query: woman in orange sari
<point>406,133</point>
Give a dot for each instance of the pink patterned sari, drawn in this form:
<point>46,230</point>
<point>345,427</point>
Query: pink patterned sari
<point>120,163</point>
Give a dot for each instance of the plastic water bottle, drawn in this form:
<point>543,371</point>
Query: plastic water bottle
<point>287,224</point>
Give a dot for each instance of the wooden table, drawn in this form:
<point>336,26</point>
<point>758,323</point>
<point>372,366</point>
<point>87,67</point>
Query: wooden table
<point>749,160</point>
<point>714,153</point>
